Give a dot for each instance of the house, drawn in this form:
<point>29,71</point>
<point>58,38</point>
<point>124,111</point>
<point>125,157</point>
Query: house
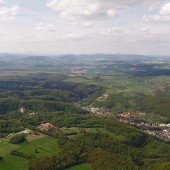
<point>126,115</point>
<point>46,127</point>
<point>32,114</point>
<point>22,109</point>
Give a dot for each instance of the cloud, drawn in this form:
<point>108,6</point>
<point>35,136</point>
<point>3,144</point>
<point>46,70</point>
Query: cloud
<point>84,9</point>
<point>74,36</point>
<point>112,12</point>
<point>2,1</point>
<point>162,15</point>
<point>45,27</point>
<point>165,10</point>
<point>94,9</point>
<point>2,33</point>
<point>112,31</point>
<point>86,24</point>
<point>9,13</point>
<point>145,30</point>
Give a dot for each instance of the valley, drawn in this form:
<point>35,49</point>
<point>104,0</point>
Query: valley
<point>76,112</point>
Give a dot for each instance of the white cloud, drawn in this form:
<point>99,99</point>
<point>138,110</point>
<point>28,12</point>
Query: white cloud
<point>163,15</point>
<point>8,13</point>
<point>3,33</point>
<point>113,30</point>
<point>2,1</point>
<point>87,24</point>
<point>154,5</point>
<point>147,18</point>
<point>84,24</point>
<point>74,36</point>
<point>165,10</point>
<point>145,30</point>
<point>112,12</point>
<point>83,9</point>
<point>45,27</point>
<point>30,38</point>
<point>92,9</point>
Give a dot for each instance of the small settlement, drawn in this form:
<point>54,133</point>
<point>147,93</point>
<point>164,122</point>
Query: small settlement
<point>46,127</point>
<point>159,130</point>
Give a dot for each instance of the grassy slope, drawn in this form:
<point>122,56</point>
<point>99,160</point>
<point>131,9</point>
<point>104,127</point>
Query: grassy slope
<point>11,162</point>
<point>46,146</point>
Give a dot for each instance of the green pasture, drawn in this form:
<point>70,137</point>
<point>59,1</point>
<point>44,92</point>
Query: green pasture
<point>45,146</point>
<point>116,137</point>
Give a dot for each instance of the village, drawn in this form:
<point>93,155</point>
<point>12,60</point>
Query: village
<point>137,119</point>
<point>159,130</point>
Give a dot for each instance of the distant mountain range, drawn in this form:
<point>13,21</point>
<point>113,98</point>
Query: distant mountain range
<point>84,57</point>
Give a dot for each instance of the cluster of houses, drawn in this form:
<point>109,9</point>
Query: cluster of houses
<point>160,130</point>
<point>46,127</point>
<point>94,110</point>
<point>163,134</point>
<point>126,115</point>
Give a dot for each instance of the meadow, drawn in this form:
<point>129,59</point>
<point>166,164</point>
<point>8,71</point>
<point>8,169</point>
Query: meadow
<point>44,146</point>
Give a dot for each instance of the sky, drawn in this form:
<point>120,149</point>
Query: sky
<point>85,26</point>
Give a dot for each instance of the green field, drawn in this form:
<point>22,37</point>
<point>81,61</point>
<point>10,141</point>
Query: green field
<point>81,80</point>
<point>118,138</point>
<point>45,146</point>
<point>11,162</point>
<point>127,85</point>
